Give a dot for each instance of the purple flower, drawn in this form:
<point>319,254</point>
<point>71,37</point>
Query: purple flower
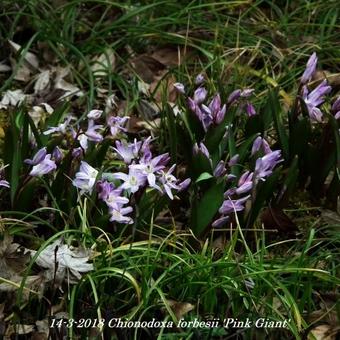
<point>215,110</point>
<point>111,195</point>
<point>310,69</point>
<point>77,152</point>
<point>199,79</point>
<point>336,105</point>
<point>179,87</point>
<point>220,221</point>
<point>92,133</point>
<point>246,93</point>
<point>315,114</point>
<point>94,114</point>
<point>4,183</point>
<point>192,105</point>
<point>233,160</point>
<point>128,152</point>
<point>336,108</point>
<point>115,202</point>
<point>44,167</point>
<point>230,192</point>
<point>38,157</point>
<point>235,95</point>
<point>85,178</point>
<point>57,154</point>
<point>260,143</point>
<point>104,189</point>
<point>231,177</point>
<point>118,214</point>
<point>202,148</point>
<point>250,109</point>
<point>116,125</point>
<point>264,166</point>
<point>315,98</point>
<point>184,184</point>
<point>149,166</point>
<point>131,181</point>
<point>230,206</point>
<point>220,169</point>
<point>169,181</point>
<point>199,95</point>
<point>245,183</point>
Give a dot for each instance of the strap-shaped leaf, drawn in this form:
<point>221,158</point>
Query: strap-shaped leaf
<point>273,104</point>
<point>205,208</point>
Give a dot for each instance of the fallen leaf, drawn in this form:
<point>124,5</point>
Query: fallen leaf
<point>40,113</point>
<point>103,63</point>
<point>13,258</point>
<point>61,84</point>
<point>180,308</point>
<point>4,67</point>
<point>29,57</point>
<point>18,329</point>
<point>42,81</point>
<point>147,67</point>
<point>12,98</point>
<point>322,332</point>
<point>275,218</point>
<point>169,56</point>
<point>60,260</point>
<point>330,217</point>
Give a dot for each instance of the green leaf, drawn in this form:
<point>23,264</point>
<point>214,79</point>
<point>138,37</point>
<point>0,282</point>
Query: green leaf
<point>273,104</point>
<point>200,164</point>
<point>290,182</point>
<point>264,192</point>
<point>205,208</point>
<point>299,137</point>
<point>203,177</point>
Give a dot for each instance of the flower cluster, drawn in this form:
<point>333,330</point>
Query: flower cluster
<point>42,163</point>
<point>313,98</point>
<point>213,113</point>
<point>93,133</point>
<point>264,167</point>
<point>143,170</point>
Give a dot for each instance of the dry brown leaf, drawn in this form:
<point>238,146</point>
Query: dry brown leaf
<point>170,56</point>
<point>43,328</point>
<point>62,261</point>
<point>322,332</point>
<point>61,84</point>
<point>4,67</point>
<point>275,218</point>
<point>18,329</point>
<point>104,62</point>
<point>13,258</point>
<point>40,113</point>
<point>151,126</point>
<point>42,81</point>
<point>146,67</point>
<point>180,308</point>
<point>23,73</point>
<point>12,98</point>
<point>30,58</point>
<point>161,84</point>
<point>330,217</point>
